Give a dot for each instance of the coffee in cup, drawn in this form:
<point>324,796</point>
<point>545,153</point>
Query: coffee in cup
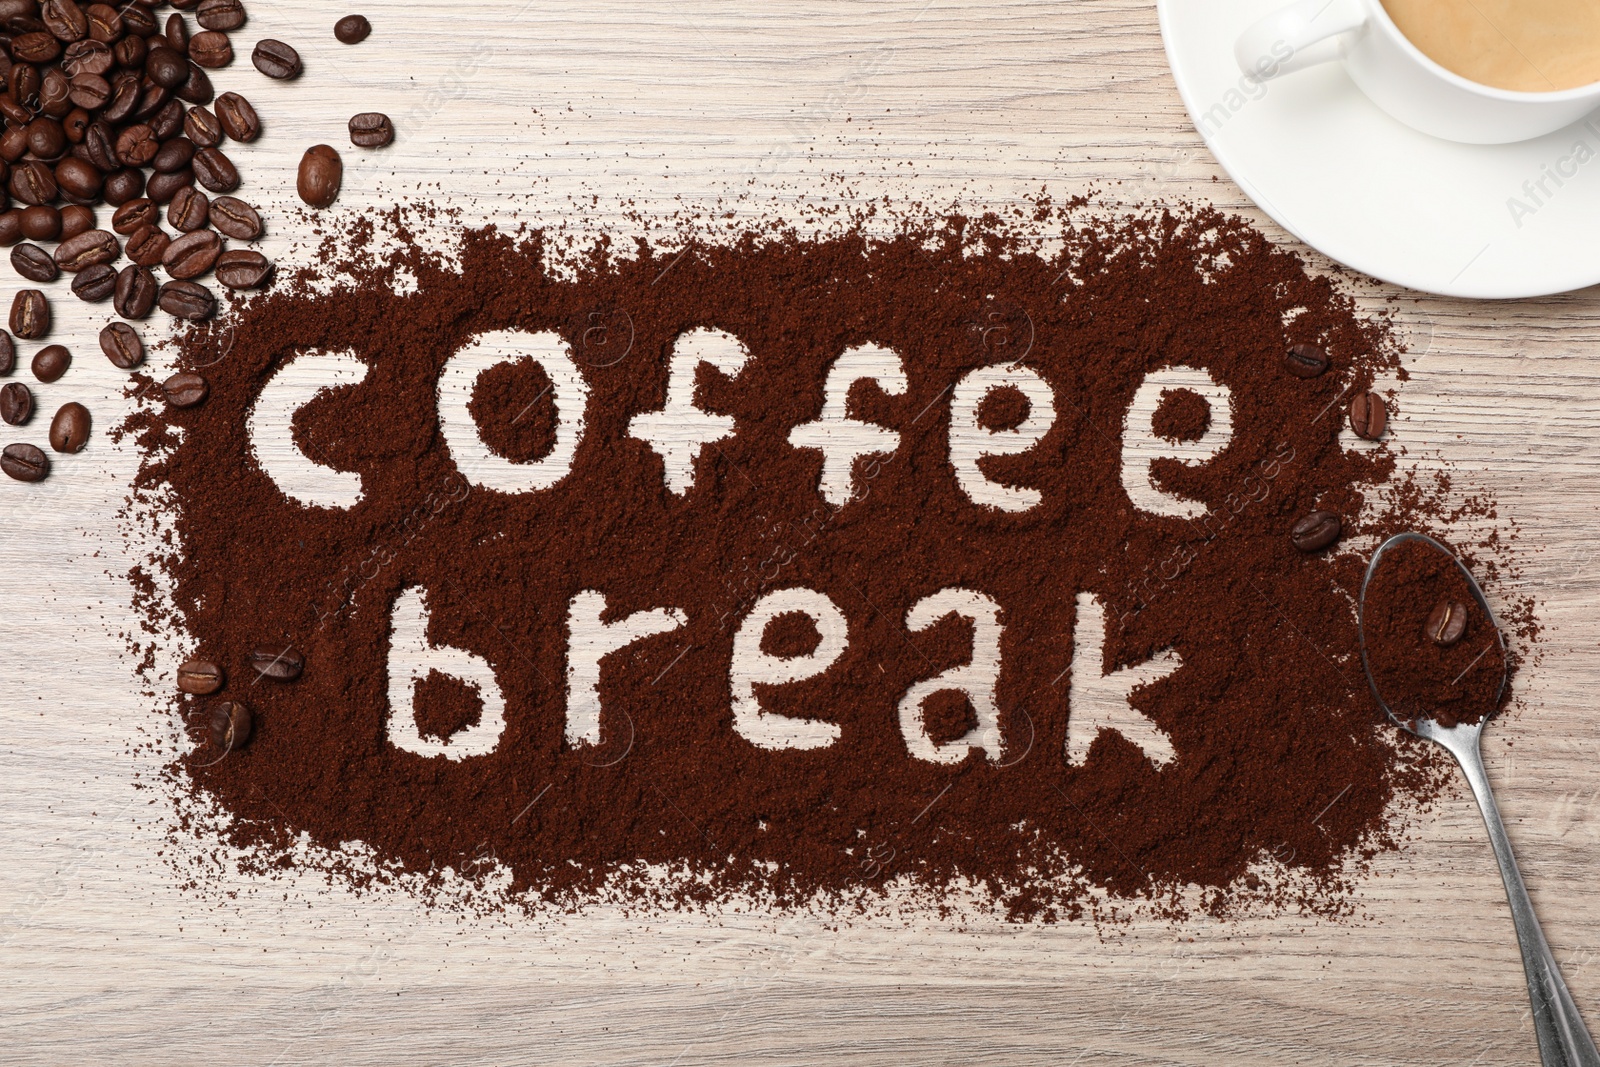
<point>1531,46</point>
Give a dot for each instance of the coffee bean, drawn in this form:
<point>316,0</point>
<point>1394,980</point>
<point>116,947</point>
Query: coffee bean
<point>238,118</point>
<point>1447,622</point>
<point>211,49</point>
<point>235,218</point>
<point>64,19</point>
<point>33,182</point>
<point>215,171</point>
<point>202,127</point>
<point>137,145</point>
<point>147,245</point>
<point>278,663</point>
<point>129,53</point>
<point>1369,415</point>
<point>1305,361</point>
<point>276,59</point>
<point>10,226</point>
<point>122,345</point>
<point>138,21</point>
<point>352,29</point>
<point>88,57</point>
<point>136,292</point>
<point>8,353</point>
<point>105,22</point>
<point>371,129</point>
<point>76,219</point>
<point>199,677</point>
<point>16,403</point>
<point>196,89</point>
<point>190,210</point>
<point>55,95</point>
<point>46,138</point>
<point>242,268</point>
<point>25,463</point>
<point>186,390</point>
<point>90,91</point>
<point>123,186</point>
<point>163,187</point>
<point>87,249</point>
<point>35,48</point>
<point>51,362</point>
<point>230,725</point>
<point>34,263</point>
<point>165,67</point>
<point>133,216</point>
<point>79,180</point>
<point>321,173</point>
<point>220,14</point>
<point>41,222</point>
<point>95,283</point>
<point>187,300</point>
<point>30,314</point>
<point>1316,531</point>
<point>193,254</point>
<point>69,430</point>
<point>177,34</point>
<point>173,155</point>
<point>168,122</point>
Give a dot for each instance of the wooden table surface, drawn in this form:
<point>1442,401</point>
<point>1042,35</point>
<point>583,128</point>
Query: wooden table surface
<point>594,114</point>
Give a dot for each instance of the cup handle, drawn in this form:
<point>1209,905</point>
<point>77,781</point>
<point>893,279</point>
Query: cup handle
<point>1275,44</point>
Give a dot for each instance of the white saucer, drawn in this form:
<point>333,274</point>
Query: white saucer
<point>1357,185</point>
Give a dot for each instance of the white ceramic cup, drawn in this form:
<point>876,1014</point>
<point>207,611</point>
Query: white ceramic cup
<point>1399,78</point>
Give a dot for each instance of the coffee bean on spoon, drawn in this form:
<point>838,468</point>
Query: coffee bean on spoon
<point>352,29</point>
<point>34,263</point>
<point>95,283</point>
<point>281,664</point>
<point>1369,416</point>
<point>51,362</point>
<point>321,174</point>
<point>199,677</point>
<point>69,430</point>
<point>185,390</point>
<point>371,129</point>
<point>25,463</point>
<point>1316,531</point>
<point>243,268</point>
<point>230,725</point>
<point>30,315</point>
<point>1305,360</point>
<point>122,345</point>
<point>16,403</point>
<point>1447,623</point>
<point>276,59</point>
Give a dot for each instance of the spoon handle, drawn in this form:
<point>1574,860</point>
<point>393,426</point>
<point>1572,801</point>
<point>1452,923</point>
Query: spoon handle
<point>1563,1039</point>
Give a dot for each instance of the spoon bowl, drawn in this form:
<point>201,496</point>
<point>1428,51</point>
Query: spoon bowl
<point>1564,1041</point>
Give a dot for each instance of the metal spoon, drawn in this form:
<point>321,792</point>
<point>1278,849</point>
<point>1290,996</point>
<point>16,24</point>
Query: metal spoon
<point>1563,1039</point>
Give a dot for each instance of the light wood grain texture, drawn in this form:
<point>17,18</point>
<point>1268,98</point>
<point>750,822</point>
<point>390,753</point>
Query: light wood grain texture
<point>582,112</point>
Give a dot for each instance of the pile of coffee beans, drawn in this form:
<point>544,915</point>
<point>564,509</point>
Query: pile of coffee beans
<point>112,104</point>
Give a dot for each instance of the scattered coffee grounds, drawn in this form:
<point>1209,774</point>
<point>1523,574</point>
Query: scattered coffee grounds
<point>1061,661</point>
<point>1433,651</point>
<point>1184,415</point>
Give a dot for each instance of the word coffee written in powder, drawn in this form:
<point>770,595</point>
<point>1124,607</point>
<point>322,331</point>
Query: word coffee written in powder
<point>796,568</point>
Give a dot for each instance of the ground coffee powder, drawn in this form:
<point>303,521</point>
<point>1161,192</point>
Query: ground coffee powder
<point>1178,701</point>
